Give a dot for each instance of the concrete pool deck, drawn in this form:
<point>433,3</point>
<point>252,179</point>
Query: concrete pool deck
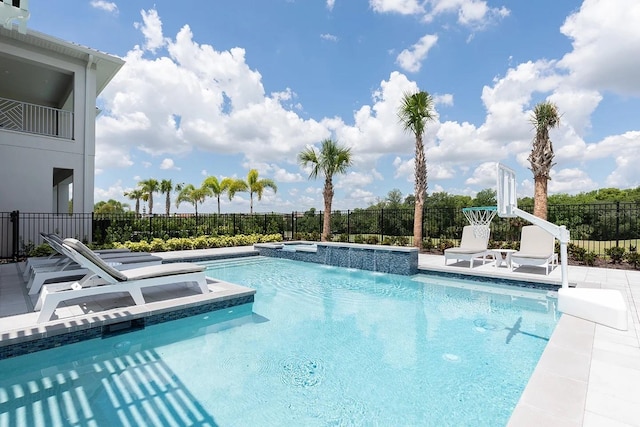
<point>588,375</point>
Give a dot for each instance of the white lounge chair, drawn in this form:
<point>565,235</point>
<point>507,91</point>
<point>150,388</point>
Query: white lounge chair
<point>470,249</point>
<point>105,279</point>
<point>57,259</point>
<point>537,247</point>
<point>67,270</point>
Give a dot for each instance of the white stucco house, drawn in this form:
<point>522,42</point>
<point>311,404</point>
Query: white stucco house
<point>48,91</point>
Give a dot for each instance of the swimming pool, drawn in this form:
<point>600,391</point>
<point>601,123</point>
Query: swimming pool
<point>320,346</point>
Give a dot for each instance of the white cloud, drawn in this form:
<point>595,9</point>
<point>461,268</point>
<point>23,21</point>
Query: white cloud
<point>356,179</point>
<point>483,176</point>
<point>403,7</point>
<point>606,46</point>
<point>471,13</point>
<point>107,6</point>
<point>214,93</point>
<point>571,180</point>
<point>115,191</point>
<point>329,37</point>
<point>330,4</point>
<point>445,99</point>
<point>151,28</point>
<point>625,150</point>
<point>281,175</point>
<point>168,164</point>
<point>411,59</point>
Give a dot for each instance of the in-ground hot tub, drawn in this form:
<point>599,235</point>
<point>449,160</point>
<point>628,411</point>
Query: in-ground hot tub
<point>386,259</point>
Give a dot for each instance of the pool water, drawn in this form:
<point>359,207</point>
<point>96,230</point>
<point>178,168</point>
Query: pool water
<point>320,346</point>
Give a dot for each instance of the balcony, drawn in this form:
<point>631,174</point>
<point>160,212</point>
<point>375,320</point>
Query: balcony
<point>36,119</point>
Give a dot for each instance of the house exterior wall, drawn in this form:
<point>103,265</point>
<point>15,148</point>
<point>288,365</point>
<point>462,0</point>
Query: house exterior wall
<point>27,160</point>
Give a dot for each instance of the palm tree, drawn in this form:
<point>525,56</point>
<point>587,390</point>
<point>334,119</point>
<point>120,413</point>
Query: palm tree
<point>149,186</point>
<point>135,194</point>
<point>332,159</point>
<point>166,187</point>
<point>190,194</point>
<point>545,116</point>
<point>257,186</point>
<point>415,111</point>
<point>253,185</point>
<point>217,187</point>
<point>233,186</point>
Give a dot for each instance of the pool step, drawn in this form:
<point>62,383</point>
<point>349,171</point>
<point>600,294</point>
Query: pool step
<point>604,306</point>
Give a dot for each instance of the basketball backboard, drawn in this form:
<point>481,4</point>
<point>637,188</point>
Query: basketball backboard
<point>506,191</point>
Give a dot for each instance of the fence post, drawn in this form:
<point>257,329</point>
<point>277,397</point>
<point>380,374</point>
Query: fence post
<point>381,225</point>
<point>617,223</point>
<point>348,225</point>
<point>15,220</point>
<point>293,225</point>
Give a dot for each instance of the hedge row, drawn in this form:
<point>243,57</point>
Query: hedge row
<point>202,242</point>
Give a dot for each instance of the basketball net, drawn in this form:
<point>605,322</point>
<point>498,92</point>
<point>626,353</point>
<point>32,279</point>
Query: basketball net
<point>480,219</point>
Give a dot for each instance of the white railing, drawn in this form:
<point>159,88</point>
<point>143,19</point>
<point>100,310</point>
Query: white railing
<point>31,118</point>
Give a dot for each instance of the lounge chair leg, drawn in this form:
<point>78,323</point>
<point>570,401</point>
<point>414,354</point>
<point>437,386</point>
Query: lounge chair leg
<point>202,284</point>
<point>46,312</point>
<point>136,294</point>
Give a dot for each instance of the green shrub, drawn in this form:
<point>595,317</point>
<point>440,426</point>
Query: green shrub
<point>157,245</point>
<point>202,242</point>
<point>633,258</point>
<point>616,253</point>
<point>427,244</point>
<point>372,240</point>
<point>344,238</point>
<point>402,241</point>
<point>358,238</point>
<point>40,250</point>
<point>578,253</point>
<point>445,244</point>
<point>141,246</point>
<point>590,258</point>
<point>387,241</point>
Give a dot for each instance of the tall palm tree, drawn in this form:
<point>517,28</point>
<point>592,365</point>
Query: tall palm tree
<point>190,194</point>
<point>150,186</point>
<point>233,186</point>
<point>416,109</point>
<point>135,194</point>
<point>332,159</point>
<point>166,187</point>
<point>253,185</point>
<point>545,117</point>
<point>218,188</point>
<point>257,186</point>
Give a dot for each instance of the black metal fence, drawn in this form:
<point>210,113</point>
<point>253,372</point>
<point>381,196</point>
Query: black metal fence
<point>593,226</point>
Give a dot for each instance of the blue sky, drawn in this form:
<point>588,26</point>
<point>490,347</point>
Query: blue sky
<point>221,87</point>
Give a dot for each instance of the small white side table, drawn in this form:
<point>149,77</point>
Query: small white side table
<point>497,255</point>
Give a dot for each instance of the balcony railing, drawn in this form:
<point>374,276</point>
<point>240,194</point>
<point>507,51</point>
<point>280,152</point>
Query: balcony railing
<point>31,118</point>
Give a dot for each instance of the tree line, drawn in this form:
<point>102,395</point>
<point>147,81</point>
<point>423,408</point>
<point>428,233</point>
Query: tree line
<point>189,193</point>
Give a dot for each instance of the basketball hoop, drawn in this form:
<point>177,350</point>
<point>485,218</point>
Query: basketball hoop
<point>480,218</point>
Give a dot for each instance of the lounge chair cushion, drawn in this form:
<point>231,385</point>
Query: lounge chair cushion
<point>162,270</point>
<point>79,247</point>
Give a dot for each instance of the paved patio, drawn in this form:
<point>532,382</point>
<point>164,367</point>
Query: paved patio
<point>588,375</point>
